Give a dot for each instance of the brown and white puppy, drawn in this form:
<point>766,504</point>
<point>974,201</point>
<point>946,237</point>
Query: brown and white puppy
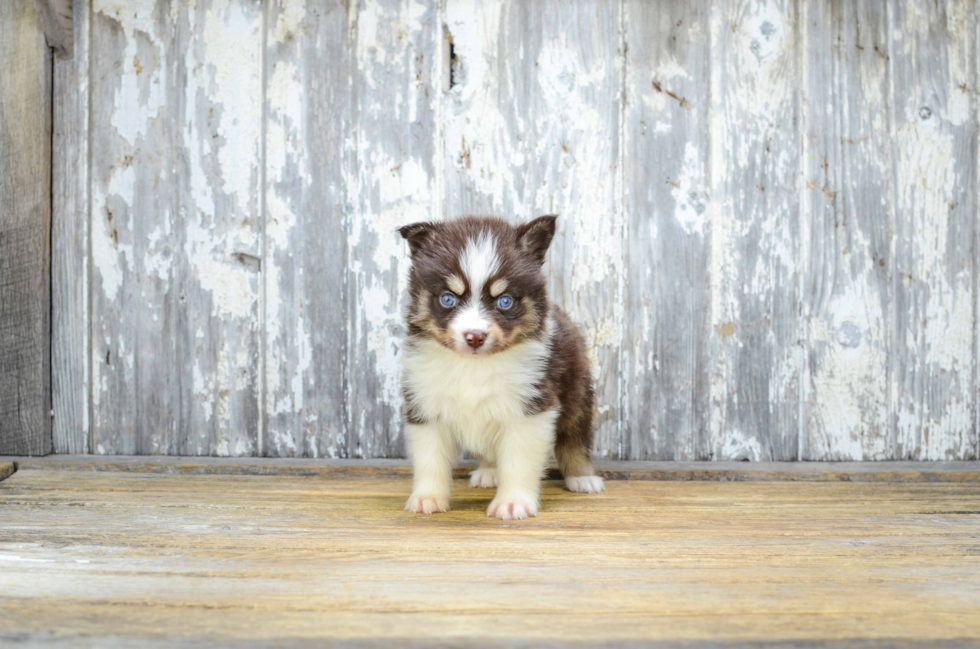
<point>491,366</point>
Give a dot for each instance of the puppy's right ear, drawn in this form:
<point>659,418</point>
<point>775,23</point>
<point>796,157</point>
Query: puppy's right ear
<point>417,234</point>
<point>535,236</point>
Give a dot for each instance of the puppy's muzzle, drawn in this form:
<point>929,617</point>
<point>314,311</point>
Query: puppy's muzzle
<point>475,339</point>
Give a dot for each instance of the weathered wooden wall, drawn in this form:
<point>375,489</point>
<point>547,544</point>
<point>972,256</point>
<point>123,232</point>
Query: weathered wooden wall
<point>25,231</point>
<point>768,232</point>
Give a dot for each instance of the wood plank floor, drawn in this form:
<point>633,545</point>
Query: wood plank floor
<point>150,559</point>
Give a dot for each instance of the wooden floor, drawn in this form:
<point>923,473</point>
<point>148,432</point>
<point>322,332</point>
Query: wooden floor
<point>108,558</point>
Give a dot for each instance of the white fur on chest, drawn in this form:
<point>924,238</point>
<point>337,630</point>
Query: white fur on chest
<point>474,398</point>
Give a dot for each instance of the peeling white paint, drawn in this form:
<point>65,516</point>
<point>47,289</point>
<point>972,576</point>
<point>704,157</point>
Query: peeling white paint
<point>232,34</point>
<point>147,91</point>
<point>290,19</point>
<point>475,119</point>
<point>740,446</point>
<point>105,259</point>
<point>233,288</point>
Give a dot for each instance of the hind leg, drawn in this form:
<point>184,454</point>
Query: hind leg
<point>576,466</point>
<point>485,476</point>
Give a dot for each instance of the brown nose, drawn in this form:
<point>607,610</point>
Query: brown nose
<point>475,339</point>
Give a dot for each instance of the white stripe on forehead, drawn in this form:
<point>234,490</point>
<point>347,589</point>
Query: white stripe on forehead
<point>479,261</point>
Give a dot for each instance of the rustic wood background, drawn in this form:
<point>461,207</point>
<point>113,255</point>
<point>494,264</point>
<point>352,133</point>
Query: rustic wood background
<point>768,232</point>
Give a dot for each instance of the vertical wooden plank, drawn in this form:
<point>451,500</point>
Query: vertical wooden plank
<point>176,103</point>
<point>849,221</point>
<point>133,227</point>
<point>70,351</point>
<point>667,295</point>
<point>933,58</point>
<point>25,229</point>
<point>976,240</point>
<point>394,135</point>
<point>219,226</point>
<point>532,127</point>
<point>755,232</point>
<point>304,267</point>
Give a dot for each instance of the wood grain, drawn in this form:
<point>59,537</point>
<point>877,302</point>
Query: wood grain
<point>57,23</point>
<point>303,264</point>
<point>755,231</point>
<point>848,236</point>
<point>934,57</point>
<point>668,293</point>
<point>25,232</point>
<point>532,128</point>
<point>70,254</point>
<point>395,85</point>
<point>215,559</point>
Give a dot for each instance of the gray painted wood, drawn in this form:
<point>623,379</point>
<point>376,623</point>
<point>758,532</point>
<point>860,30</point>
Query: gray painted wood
<point>532,128</point>
<point>667,345</point>
<point>307,122</point>
<point>755,230</point>
<point>934,65</point>
<point>70,344</point>
<point>25,229</point>
<point>396,47</point>
<point>849,229</point>
<point>766,239</point>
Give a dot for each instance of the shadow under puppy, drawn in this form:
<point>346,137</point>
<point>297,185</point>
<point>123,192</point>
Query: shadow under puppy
<point>491,366</point>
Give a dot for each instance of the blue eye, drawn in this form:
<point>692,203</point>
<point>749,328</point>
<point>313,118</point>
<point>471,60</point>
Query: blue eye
<point>504,302</point>
<point>448,300</point>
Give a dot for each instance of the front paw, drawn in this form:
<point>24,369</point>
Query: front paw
<point>513,507</point>
<point>427,504</point>
<point>485,478</point>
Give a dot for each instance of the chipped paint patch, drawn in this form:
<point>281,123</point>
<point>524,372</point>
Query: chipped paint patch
<point>739,446</point>
<point>690,198</point>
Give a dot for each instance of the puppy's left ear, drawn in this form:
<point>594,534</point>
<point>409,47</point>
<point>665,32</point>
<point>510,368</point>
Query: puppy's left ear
<point>417,234</point>
<point>535,236</point>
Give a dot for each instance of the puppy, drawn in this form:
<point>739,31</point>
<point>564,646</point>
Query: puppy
<point>492,367</point>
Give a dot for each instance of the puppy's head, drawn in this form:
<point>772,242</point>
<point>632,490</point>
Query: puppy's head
<point>476,284</point>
